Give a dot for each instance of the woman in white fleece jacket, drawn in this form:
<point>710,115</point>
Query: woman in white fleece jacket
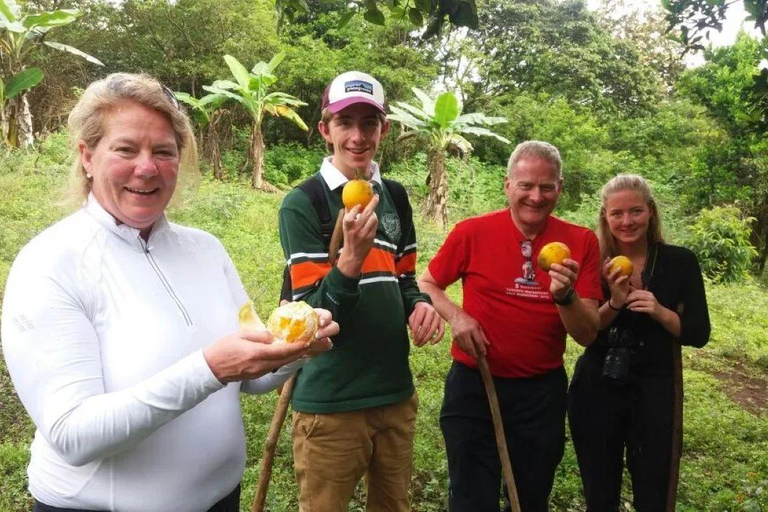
<point>120,329</point>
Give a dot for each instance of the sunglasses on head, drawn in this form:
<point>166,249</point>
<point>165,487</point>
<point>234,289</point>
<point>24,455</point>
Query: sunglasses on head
<point>171,97</point>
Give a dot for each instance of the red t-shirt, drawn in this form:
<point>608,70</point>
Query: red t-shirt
<point>517,314</point>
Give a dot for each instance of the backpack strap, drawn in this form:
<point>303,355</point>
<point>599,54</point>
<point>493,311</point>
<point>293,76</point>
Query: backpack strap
<point>403,207</point>
<point>313,187</point>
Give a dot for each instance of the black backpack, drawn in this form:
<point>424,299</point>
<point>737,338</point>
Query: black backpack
<point>313,187</point>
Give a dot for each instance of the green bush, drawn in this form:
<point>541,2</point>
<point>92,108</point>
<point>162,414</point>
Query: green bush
<point>474,187</point>
<point>720,238</point>
<point>288,164</point>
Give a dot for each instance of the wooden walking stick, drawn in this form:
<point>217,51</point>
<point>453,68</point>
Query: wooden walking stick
<point>336,238</point>
<point>677,428</point>
<point>270,445</point>
<point>281,410</point>
<point>498,427</point>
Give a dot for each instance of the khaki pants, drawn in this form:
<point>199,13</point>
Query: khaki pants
<point>331,452</point>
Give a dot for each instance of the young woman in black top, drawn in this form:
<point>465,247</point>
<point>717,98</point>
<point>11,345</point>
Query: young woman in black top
<point>626,391</point>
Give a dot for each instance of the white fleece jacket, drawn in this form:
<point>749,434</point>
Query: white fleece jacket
<point>103,336</point>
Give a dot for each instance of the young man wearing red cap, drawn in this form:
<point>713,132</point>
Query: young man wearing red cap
<point>355,406</point>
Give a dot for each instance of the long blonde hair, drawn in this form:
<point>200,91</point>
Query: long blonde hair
<point>87,122</point>
<point>618,183</point>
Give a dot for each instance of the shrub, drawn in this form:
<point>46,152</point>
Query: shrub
<point>720,238</point>
<point>289,164</point>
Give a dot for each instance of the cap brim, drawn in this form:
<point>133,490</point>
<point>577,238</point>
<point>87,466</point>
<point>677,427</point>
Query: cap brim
<point>335,108</point>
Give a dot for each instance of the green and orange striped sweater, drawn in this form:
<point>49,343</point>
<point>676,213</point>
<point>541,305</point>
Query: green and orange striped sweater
<point>368,365</point>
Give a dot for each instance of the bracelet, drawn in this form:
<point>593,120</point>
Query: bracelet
<point>613,308</point>
<point>568,299</point>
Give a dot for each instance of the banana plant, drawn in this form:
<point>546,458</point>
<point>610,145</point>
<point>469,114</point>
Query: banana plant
<point>442,124</point>
<point>20,36</point>
<point>16,85</point>
<point>251,90</point>
<point>206,112</point>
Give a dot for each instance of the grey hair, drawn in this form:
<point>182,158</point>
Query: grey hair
<point>543,150</point>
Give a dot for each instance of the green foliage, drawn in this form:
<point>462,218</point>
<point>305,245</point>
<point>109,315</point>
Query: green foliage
<point>288,164</point>
<point>561,49</point>
<point>739,323</point>
<point>21,82</point>
<point>20,35</point>
<point>251,90</point>
<point>720,238</point>
<point>474,186</point>
<point>459,13</point>
<point>202,108</point>
<point>442,124</point>
<point>176,42</point>
<point>695,19</point>
<point>14,458</point>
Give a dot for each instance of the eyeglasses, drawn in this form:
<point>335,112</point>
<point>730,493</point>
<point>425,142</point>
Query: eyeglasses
<point>171,97</point>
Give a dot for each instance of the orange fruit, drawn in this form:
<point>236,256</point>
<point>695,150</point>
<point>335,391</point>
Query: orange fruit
<point>358,191</point>
<point>248,319</point>
<point>553,252</point>
<point>293,323</point>
<point>623,263</point>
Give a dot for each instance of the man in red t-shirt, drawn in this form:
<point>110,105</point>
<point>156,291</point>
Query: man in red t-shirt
<point>517,315</point>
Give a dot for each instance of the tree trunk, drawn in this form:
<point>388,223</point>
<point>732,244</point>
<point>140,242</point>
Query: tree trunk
<point>759,235</point>
<point>20,132</point>
<point>218,172</point>
<point>3,126</point>
<point>212,147</point>
<point>438,188</point>
<point>26,137</point>
<point>256,155</point>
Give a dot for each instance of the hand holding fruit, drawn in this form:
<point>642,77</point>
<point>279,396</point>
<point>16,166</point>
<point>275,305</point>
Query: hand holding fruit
<point>359,227</point>
<point>253,351</point>
<point>357,192</point>
<point>617,272</point>
<point>249,354</point>
<point>555,258</point>
<point>298,322</point>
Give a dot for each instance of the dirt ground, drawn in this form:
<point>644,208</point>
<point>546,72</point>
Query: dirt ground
<point>744,388</point>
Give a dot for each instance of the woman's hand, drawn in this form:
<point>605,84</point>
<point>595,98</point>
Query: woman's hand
<point>618,284</point>
<point>644,301</point>
<point>250,354</point>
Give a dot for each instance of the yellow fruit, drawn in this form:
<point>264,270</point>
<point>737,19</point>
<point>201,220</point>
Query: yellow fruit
<point>356,192</point>
<point>553,252</point>
<point>623,263</point>
<point>248,318</point>
<point>293,322</point>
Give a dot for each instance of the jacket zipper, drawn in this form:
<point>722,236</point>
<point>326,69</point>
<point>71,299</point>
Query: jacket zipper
<point>166,284</point>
